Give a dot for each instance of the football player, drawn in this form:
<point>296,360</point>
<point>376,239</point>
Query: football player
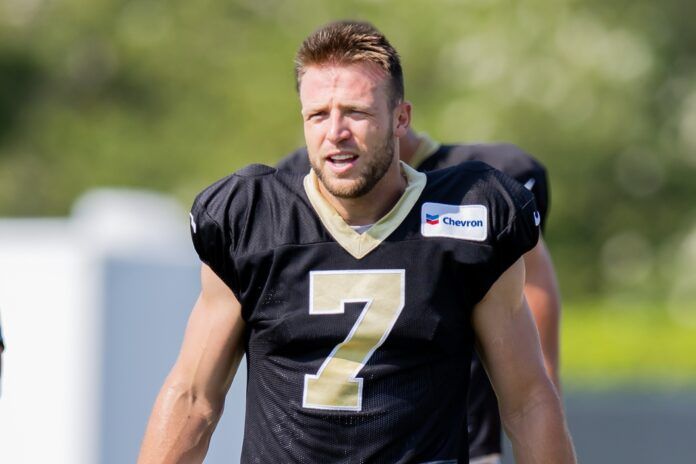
<point>541,289</point>
<point>357,291</point>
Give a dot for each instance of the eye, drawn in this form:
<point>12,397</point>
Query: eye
<point>358,113</point>
<point>317,115</point>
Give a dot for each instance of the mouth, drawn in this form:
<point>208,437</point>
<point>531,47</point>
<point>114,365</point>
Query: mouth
<point>341,161</point>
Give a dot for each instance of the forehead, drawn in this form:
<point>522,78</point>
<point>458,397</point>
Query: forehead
<point>354,81</point>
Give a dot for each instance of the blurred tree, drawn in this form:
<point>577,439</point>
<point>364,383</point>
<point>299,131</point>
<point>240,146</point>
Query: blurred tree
<point>171,95</point>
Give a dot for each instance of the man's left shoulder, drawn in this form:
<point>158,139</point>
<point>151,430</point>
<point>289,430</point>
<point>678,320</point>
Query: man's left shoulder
<point>474,183</point>
<point>508,158</point>
<point>475,177</point>
<point>479,205</point>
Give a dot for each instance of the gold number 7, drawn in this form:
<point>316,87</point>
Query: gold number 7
<point>336,385</point>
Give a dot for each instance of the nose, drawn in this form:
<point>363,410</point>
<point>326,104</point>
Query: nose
<point>338,129</point>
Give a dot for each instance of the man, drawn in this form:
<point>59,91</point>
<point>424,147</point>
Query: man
<point>354,353</point>
<point>541,290</point>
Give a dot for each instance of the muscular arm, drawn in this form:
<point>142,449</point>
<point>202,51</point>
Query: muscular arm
<point>541,291</point>
<point>530,408</point>
<point>191,400</point>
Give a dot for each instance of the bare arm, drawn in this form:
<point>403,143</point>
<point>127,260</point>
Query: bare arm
<point>530,408</point>
<point>541,291</point>
<point>191,400</point>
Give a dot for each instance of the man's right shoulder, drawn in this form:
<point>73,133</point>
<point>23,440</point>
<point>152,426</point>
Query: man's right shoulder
<point>229,186</point>
<point>242,213</point>
<point>251,187</point>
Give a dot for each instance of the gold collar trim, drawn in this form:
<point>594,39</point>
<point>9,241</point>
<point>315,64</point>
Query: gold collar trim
<point>359,245</point>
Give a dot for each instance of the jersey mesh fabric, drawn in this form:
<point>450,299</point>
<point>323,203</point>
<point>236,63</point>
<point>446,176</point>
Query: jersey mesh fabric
<point>257,230</point>
<point>484,429</point>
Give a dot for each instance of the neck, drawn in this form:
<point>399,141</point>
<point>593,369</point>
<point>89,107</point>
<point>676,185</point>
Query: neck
<point>369,208</point>
<point>408,145</point>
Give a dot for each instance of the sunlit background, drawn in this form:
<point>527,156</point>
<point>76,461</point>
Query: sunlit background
<point>169,96</point>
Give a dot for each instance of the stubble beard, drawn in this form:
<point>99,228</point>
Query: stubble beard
<point>381,159</point>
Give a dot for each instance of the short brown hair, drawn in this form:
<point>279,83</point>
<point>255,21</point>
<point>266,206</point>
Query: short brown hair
<point>345,42</point>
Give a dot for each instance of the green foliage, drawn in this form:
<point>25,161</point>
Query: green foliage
<point>609,344</point>
<point>171,95</point>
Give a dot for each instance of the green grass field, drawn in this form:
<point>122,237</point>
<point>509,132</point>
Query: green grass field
<point>606,345</point>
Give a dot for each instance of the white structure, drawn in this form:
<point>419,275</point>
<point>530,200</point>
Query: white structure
<point>93,309</point>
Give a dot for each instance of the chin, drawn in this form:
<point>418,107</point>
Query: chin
<point>346,189</point>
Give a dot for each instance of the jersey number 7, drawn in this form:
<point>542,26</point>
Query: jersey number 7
<point>336,385</point>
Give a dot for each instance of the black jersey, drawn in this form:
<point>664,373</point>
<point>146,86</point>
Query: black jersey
<point>358,345</point>
<point>484,430</point>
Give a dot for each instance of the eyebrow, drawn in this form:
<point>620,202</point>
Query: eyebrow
<point>348,106</point>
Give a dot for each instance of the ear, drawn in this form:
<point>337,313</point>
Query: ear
<point>402,118</point>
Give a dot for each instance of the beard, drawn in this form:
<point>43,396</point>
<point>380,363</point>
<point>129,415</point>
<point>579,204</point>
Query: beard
<point>379,161</point>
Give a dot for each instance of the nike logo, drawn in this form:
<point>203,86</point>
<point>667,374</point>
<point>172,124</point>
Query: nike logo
<point>193,223</point>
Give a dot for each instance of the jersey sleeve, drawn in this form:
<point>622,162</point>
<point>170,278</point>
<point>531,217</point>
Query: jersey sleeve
<point>537,182</point>
<point>507,158</point>
<point>214,230</point>
<point>518,223</point>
